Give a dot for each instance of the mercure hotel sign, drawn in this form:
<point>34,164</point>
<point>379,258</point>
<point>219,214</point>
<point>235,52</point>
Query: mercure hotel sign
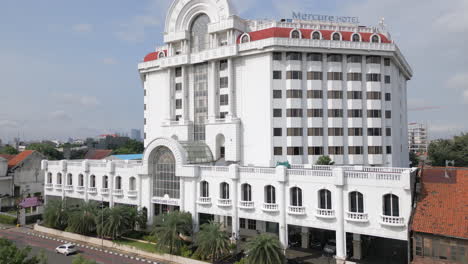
<point>325,18</point>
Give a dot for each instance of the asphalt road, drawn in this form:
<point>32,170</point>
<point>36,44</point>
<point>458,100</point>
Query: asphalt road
<point>21,239</point>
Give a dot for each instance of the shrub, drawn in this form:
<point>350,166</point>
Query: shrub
<point>8,220</point>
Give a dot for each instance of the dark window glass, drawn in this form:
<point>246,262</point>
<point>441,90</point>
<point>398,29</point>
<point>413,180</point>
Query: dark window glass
<point>294,93</point>
<point>389,149</point>
<point>354,112</point>
<point>316,35</point>
<point>335,150</point>
<point>373,77</point>
<point>354,76</point>
<point>374,131</point>
<point>294,112</point>
<point>223,82</point>
<point>325,199</point>
<point>294,75</point>
<point>335,112</point>
<point>315,112</point>
<point>315,150</point>
<point>388,96</point>
<point>296,196</point>
<point>315,131</point>
<point>335,95</point>
<point>356,38</point>
<point>314,56</point>
<point>295,151</point>
<point>373,60</point>
<point>356,150</point>
<point>242,223</point>
<point>387,78</point>
<point>251,224</point>
<point>277,56</point>
<point>375,150</point>
<point>334,58</point>
<point>374,113</point>
<point>178,72</point>
<point>277,75</point>
<point>354,131</point>
<point>315,94</point>
<point>391,206</point>
<point>178,117</point>
<point>374,95</point>
<point>335,131</point>
<point>224,99</point>
<point>334,76</point>
<point>336,36</point>
<point>276,93</point>
<point>293,56</point>
<point>314,75</point>
<point>178,87</point>
<point>223,115</point>
<point>223,64</point>
<point>354,95</point>
<point>277,112</point>
<point>356,202</point>
<point>178,103</point>
<point>387,62</point>
<point>277,132</point>
<point>388,131</point>
<point>354,58</point>
<point>375,39</point>
<point>278,151</point>
<point>295,34</point>
<point>388,114</point>
<point>294,131</point>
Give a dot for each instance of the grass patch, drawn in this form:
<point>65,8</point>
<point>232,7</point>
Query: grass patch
<point>139,245</point>
<point>9,220</point>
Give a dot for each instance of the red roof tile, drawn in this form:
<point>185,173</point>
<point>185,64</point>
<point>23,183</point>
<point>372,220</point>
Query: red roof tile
<point>97,154</point>
<point>443,207</point>
<point>19,158</point>
<point>153,55</point>
<point>7,156</point>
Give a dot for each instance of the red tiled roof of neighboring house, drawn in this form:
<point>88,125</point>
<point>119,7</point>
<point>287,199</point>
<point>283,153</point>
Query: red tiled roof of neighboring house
<point>96,154</point>
<point>154,55</point>
<point>7,156</point>
<point>19,158</point>
<point>443,207</point>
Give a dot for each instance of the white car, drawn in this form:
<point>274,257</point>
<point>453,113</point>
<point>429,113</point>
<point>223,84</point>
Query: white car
<point>330,247</point>
<point>66,249</point>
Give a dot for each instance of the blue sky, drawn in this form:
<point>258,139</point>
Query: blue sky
<point>69,68</point>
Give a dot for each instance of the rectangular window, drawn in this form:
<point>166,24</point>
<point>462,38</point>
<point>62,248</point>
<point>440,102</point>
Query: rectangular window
<point>277,112</point>
<point>294,112</point>
<point>251,224</point>
<point>334,58</point>
<point>335,76</point>
<point>224,99</point>
<point>223,82</point>
<point>277,94</point>
<point>389,149</point>
<point>277,56</point>
<point>335,150</point>
<point>388,96</point>
<point>223,64</point>
<point>387,78</point>
<point>354,76</point>
<point>223,115</point>
<point>276,75</point>
<point>373,60</point>
<point>294,75</point>
<point>374,113</point>
<point>315,151</point>
<point>178,87</point>
<point>335,131</point>
<point>374,131</point>
<point>356,150</point>
<point>278,151</point>
<point>293,56</point>
<point>388,131</point>
<point>294,131</point>
<point>373,95</point>
<point>388,114</point>
<point>315,94</point>
<point>314,57</point>
<point>335,95</point>
<point>277,132</point>
<point>294,93</point>
<point>355,95</point>
<point>178,103</point>
<point>242,223</point>
<point>178,117</point>
<point>375,150</point>
<point>144,106</point>
<point>418,246</point>
<point>387,62</point>
<point>315,112</point>
<point>144,121</point>
<point>355,113</point>
<point>295,151</point>
<point>335,112</point>
<point>144,92</point>
<point>178,71</point>
<point>314,75</point>
<point>373,77</point>
<point>354,131</point>
<point>354,58</point>
<point>315,131</point>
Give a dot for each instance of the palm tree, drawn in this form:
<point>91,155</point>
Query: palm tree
<point>56,214</point>
<point>113,222</point>
<point>264,249</point>
<point>212,242</point>
<point>168,229</point>
<point>83,220</point>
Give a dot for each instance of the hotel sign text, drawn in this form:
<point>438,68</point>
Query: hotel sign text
<point>325,18</point>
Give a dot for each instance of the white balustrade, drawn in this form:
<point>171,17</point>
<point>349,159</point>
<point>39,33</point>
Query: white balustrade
<point>246,204</point>
<point>105,191</point>
<point>392,220</point>
<point>325,213</point>
<point>80,188</point>
<point>224,202</point>
<point>204,200</point>
<point>69,188</point>
<point>270,207</point>
<point>118,192</point>
<point>356,217</point>
<point>132,193</point>
<point>296,210</point>
<point>49,186</point>
<point>58,187</point>
<point>92,190</point>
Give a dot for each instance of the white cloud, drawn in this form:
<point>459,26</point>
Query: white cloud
<point>455,19</point>
<point>465,96</point>
<point>109,61</point>
<point>88,101</point>
<point>70,99</point>
<point>6,123</point>
<point>82,28</point>
<point>59,115</point>
<point>458,81</point>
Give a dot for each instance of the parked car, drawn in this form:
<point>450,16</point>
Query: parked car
<point>66,249</point>
<point>330,247</point>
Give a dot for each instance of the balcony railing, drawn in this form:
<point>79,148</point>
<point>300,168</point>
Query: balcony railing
<point>246,204</point>
<point>270,207</point>
<point>69,188</point>
<point>80,188</point>
<point>92,190</point>
<point>118,192</point>
<point>58,187</point>
<point>356,217</point>
<point>325,213</point>
<point>204,200</point>
<point>224,202</point>
<point>296,210</point>
<point>392,220</point>
<point>132,193</point>
<point>105,191</point>
<point>49,186</point>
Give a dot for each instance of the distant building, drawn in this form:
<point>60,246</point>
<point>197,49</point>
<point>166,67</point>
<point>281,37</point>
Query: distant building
<point>97,154</point>
<point>440,222</point>
<point>417,137</point>
<point>135,134</point>
<point>111,141</point>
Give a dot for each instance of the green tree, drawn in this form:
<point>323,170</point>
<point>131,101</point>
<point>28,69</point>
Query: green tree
<point>212,242</point>
<point>264,249</point>
<point>56,214</point>
<point>324,160</point>
<point>113,222</point>
<point>83,220</point>
<point>168,229</point>
<point>47,150</point>
<point>130,147</point>
<point>413,159</point>
<point>9,150</point>
<point>10,254</point>
<point>79,259</point>
<point>449,149</point>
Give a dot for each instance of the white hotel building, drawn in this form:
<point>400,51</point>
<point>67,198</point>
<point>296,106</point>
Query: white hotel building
<point>228,98</point>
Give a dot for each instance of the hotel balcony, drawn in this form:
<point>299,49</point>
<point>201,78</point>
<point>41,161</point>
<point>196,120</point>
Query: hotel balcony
<point>356,217</point>
<point>204,200</point>
<point>80,189</point>
<point>105,191</point>
<point>224,202</point>
<point>296,210</point>
<point>246,205</point>
<point>325,213</point>
<point>392,220</point>
<point>270,207</point>
<point>58,187</point>
<point>132,193</point>
<point>92,190</point>
<point>118,192</point>
<point>49,186</point>
<point>69,188</point>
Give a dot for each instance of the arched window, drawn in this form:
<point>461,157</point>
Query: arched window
<point>270,194</point>
<point>204,189</point>
<point>316,35</point>
<point>59,178</point>
<point>336,36</point>
<point>92,181</point>
<point>165,182</point>
<point>356,202</point>
<point>356,37</point>
<point>49,177</point>
<point>161,54</point>
<point>81,180</point>
<point>391,205</point>
<point>245,38</point>
<point>200,37</point>
<point>118,183</point>
<point>375,39</point>
<point>296,196</point>
<point>246,194</point>
<point>295,34</point>
<point>69,179</point>
<point>105,182</point>
<point>224,190</point>
<point>325,199</point>
<point>132,184</point>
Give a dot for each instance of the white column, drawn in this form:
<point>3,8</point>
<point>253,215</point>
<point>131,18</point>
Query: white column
<point>86,185</point>
<point>304,237</point>
<point>171,112</point>
<point>185,99</point>
<point>338,175</point>
<point>357,250</point>
<point>182,194</point>
<point>232,94</point>
<point>111,189</point>
<point>283,228</point>
<point>235,220</point>
<point>195,195</point>
<point>212,91</point>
